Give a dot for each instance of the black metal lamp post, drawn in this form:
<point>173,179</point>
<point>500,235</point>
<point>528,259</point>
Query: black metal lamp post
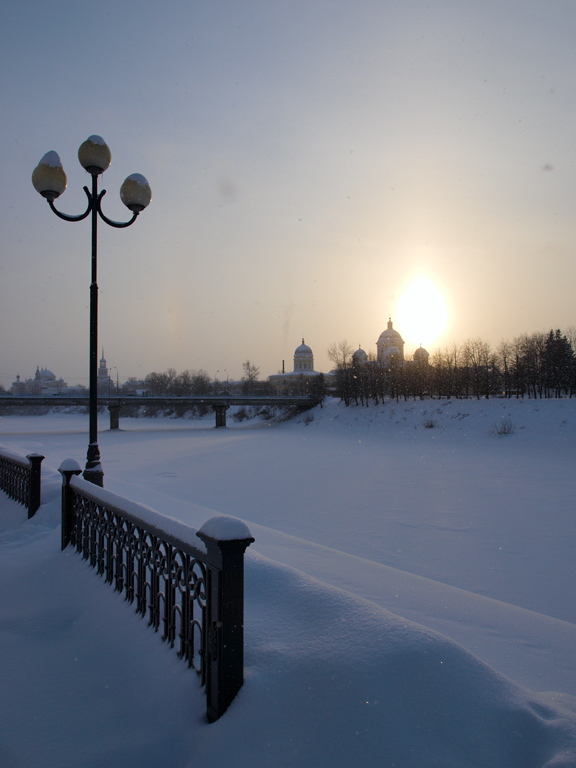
<point>49,180</point>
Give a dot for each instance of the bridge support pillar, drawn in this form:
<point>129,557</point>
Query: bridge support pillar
<point>220,411</point>
<point>114,416</point>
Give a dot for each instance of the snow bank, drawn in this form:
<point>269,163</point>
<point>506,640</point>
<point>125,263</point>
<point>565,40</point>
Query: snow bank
<point>331,679</point>
<point>470,418</point>
<point>335,680</point>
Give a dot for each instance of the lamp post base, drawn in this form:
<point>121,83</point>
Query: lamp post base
<point>94,475</point>
<point>93,471</point>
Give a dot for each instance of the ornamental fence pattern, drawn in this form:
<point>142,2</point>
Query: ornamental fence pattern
<point>193,594</point>
<point>20,479</point>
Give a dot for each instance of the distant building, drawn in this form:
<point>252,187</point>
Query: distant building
<point>389,352</point>
<point>296,381</point>
<point>104,383</point>
<point>421,356</point>
<point>390,346</point>
<point>43,383</point>
<point>359,356</point>
<point>304,359</point>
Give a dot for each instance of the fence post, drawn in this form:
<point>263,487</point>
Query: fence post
<point>224,630</point>
<point>67,469</point>
<point>35,460</point>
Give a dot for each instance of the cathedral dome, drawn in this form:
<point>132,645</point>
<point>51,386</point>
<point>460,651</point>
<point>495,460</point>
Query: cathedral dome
<point>389,344</point>
<point>359,356</point>
<point>303,350</point>
<point>421,355</point>
<point>390,336</point>
<point>303,358</point>
<point>43,374</point>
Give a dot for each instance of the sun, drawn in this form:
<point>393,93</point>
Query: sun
<point>421,312</point>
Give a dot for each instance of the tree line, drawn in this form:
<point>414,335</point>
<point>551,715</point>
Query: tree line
<point>540,365</point>
<point>199,382</point>
<point>191,382</point>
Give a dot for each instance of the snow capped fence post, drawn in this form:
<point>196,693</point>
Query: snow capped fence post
<point>34,482</point>
<point>20,479</point>
<point>226,540</point>
<point>67,469</point>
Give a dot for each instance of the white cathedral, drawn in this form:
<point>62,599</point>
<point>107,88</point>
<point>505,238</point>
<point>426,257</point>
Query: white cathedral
<point>285,383</point>
<point>389,351</point>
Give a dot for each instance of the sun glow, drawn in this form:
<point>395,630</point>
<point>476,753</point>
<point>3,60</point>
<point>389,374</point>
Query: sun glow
<point>421,313</point>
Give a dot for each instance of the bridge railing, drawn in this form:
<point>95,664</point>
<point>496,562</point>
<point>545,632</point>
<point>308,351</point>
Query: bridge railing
<point>20,478</point>
<point>192,592</point>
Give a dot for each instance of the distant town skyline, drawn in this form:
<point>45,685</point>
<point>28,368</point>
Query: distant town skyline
<point>310,164</point>
<point>290,366</point>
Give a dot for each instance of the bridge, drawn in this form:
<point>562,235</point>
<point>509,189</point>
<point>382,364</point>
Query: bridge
<point>220,403</point>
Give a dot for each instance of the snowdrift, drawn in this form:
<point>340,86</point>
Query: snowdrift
<point>331,679</point>
<point>335,680</point>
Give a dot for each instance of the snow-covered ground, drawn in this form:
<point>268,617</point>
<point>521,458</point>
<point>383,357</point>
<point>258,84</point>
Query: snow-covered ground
<point>410,597</point>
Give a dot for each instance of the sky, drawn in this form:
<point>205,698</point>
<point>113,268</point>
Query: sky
<point>309,162</point>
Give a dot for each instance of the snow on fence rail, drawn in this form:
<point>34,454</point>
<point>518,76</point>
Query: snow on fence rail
<point>20,478</point>
<point>193,592</point>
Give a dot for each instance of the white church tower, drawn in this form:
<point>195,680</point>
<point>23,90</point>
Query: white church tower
<point>103,377</point>
<point>390,346</point>
<point>303,358</point>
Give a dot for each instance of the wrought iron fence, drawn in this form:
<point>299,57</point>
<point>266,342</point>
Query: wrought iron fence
<point>20,479</point>
<point>193,594</point>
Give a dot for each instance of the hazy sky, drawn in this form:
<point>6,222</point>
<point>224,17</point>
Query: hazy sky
<point>308,160</point>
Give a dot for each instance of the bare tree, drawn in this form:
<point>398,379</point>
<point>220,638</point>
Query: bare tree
<point>447,374</point>
<point>477,357</point>
<point>340,353</point>
<point>160,383</point>
<point>250,377</point>
<point>505,360</point>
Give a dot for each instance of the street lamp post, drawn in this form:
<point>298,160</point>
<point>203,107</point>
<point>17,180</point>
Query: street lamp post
<point>50,181</point>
